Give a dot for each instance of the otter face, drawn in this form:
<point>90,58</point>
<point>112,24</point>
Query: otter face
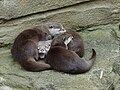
<point>43,48</point>
<point>55,28</point>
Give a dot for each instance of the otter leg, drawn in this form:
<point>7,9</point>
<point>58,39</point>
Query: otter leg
<point>32,65</point>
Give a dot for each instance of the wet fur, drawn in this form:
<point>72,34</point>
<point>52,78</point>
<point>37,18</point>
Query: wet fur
<point>67,61</point>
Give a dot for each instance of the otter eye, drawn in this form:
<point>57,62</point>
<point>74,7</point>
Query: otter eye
<point>49,45</point>
<point>51,26</point>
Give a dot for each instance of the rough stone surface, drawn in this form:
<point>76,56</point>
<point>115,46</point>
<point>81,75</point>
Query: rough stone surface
<point>97,21</point>
<point>17,8</point>
<point>87,14</point>
<point>84,12</point>
<point>102,38</point>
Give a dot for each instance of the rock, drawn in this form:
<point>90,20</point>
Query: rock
<point>100,38</point>
<point>97,21</point>
<point>5,88</point>
<point>18,8</point>
<point>85,14</point>
<point>116,65</point>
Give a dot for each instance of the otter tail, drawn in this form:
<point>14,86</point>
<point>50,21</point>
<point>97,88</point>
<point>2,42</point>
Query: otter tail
<point>93,58</point>
<point>91,61</point>
<point>84,65</point>
<point>32,65</point>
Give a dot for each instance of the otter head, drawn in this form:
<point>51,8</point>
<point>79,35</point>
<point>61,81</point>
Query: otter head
<point>43,48</point>
<point>55,28</point>
<point>62,40</point>
<point>67,40</point>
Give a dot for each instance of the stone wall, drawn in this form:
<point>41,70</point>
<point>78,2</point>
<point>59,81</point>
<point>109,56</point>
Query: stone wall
<point>21,14</point>
<point>98,23</point>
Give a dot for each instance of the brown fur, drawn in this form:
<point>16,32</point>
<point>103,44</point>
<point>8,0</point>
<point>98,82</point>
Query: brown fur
<point>25,49</point>
<point>64,60</point>
<point>76,44</point>
<point>53,28</point>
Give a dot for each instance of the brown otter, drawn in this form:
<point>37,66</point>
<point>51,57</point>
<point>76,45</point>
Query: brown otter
<point>25,49</point>
<point>76,44</point>
<point>54,28</point>
<point>25,46</point>
<point>64,60</point>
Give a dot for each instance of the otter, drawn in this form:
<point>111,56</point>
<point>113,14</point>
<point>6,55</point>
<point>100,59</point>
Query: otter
<point>25,46</point>
<point>43,48</point>
<point>76,43</point>
<point>53,28</point>
<point>67,61</point>
<point>25,49</point>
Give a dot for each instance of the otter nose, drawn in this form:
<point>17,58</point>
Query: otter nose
<point>42,50</point>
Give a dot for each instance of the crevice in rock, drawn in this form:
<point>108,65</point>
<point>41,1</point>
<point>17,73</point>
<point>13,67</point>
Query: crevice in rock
<point>1,36</point>
<point>111,87</point>
<point>114,34</point>
<point>88,29</point>
<point>5,45</point>
<point>4,20</point>
<point>84,29</point>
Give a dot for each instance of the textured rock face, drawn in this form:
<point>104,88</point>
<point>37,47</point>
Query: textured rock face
<point>72,13</point>
<point>104,75</point>
<point>17,8</point>
<point>97,21</point>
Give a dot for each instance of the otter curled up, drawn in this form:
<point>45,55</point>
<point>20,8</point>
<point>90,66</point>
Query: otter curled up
<point>63,60</point>
<point>25,47</point>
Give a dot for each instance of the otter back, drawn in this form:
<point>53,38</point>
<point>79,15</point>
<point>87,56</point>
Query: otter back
<point>64,60</point>
<point>25,49</point>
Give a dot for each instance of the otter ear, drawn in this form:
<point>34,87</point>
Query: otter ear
<point>45,34</point>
